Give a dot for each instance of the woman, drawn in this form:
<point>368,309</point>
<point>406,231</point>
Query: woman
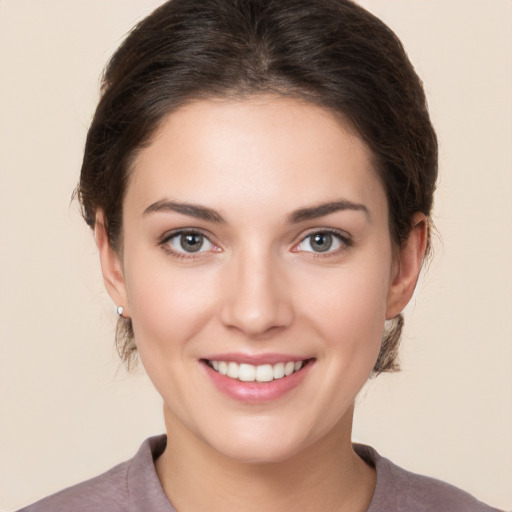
<point>259,177</point>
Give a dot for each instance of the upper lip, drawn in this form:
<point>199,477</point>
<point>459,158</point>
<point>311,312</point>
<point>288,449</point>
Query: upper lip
<point>256,359</point>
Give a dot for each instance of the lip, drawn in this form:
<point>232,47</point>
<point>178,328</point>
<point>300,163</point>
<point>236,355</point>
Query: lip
<point>256,392</point>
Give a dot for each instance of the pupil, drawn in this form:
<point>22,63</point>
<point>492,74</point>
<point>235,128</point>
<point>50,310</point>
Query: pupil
<point>191,242</point>
<point>321,242</point>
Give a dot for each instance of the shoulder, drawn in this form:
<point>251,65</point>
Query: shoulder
<point>104,492</point>
<point>400,490</point>
<point>118,490</point>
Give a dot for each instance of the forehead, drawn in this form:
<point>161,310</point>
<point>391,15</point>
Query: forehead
<point>277,150</point>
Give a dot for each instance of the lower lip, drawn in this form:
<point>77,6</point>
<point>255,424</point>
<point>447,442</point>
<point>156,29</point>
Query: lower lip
<point>257,392</point>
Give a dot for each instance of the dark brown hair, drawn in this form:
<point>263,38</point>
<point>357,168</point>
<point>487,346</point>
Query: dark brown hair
<point>329,52</point>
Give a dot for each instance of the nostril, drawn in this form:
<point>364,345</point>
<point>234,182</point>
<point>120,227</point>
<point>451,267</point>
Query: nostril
<point>255,321</point>
<point>256,299</point>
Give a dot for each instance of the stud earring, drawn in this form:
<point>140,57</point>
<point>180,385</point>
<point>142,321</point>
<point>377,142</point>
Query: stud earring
<point>119,311</point>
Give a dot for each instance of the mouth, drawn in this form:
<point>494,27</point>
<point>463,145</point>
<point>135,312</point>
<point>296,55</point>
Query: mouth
<point>262,373</point>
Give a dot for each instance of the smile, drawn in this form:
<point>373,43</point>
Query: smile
<point>250,373</point>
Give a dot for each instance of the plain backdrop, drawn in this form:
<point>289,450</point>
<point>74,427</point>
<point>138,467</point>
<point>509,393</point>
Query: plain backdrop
<point>69,411</point>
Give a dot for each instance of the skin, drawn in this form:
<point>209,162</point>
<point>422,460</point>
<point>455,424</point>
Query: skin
<point>259,286</point>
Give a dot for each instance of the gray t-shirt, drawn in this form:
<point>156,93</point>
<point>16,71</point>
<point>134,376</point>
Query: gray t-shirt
<point>133,486</point>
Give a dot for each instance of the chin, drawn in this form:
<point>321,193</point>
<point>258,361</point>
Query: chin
<point>261,441</point>
<point>259,451</point>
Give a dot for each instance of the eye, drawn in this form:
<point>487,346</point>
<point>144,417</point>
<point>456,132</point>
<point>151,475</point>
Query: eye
<point>322,242</point>
<point>189,242</point>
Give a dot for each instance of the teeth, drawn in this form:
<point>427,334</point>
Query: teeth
<point>233,371</point>
<point>247,372</point>
<point>279,371</point>
<point>264,373</point>
<point>251,373</point>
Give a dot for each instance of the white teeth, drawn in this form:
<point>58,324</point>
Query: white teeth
<point>233,370</point>
<point>247,372</point>
<point>264,373</point>
<point>289,368</point>
<point>279,371</point>
<point>251,373</point>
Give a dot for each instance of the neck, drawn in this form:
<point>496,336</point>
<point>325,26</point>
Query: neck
<point>326,476</point>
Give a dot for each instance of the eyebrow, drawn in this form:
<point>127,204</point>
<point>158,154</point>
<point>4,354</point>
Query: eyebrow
<point>320,210</point>
<point>192,210</point>
<point>300,215</point>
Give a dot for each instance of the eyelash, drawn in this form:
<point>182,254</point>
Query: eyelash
<point>345,241</point>
<point>343,238</point>
<point>168,237</point>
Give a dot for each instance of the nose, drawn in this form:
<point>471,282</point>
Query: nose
<point>256,298</point>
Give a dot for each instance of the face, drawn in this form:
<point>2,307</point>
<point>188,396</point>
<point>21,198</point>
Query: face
<point>258,272</point>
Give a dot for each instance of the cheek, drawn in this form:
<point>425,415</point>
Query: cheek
<point>167,305</point>
<point>350,308</point>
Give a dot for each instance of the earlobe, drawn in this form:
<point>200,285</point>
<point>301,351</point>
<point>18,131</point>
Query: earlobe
<point>407,266</point>
<point>111,266</point>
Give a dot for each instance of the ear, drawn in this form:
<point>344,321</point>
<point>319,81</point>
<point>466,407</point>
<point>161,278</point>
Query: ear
<point>407,266</point>
<point>111,266</point>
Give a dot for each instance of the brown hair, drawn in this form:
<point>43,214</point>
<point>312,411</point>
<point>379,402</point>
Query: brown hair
<point>329,52</point>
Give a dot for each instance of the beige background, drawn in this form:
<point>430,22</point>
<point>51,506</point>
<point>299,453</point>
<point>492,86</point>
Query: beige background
<point>68,411</point>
